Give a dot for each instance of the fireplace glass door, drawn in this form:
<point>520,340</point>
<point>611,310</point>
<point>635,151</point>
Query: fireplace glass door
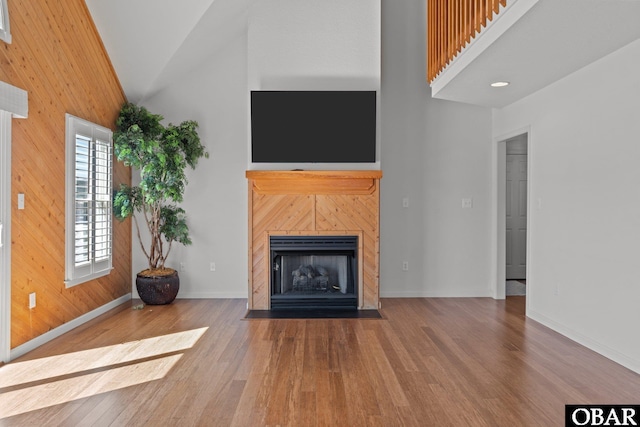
<point>313,272</point>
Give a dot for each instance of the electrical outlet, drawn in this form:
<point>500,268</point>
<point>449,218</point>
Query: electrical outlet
<point>212,266</point>
<point>183,266</point>
<point>467,203</point>
<point>405,265</point>
<point>32,300</point>
<point>405,202</point>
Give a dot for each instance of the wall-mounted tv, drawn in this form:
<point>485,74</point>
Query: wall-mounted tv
<point>313,126</point>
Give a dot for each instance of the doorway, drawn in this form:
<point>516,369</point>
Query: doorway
<point>517,141</point>
<point>516,216</point>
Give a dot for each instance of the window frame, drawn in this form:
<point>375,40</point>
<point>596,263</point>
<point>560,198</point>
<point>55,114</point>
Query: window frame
<point>5,33</point>
<point>98,204</point>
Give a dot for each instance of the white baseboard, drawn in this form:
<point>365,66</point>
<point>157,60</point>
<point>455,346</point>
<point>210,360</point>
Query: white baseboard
<point>212,295</point>
<point>591,344</point>
<point>428,294</point>
<point>55,333</point>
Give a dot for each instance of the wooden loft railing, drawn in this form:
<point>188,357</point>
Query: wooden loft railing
<point>450,26</point>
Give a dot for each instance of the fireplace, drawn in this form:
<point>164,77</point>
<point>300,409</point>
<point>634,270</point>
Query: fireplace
<point>316,204</point>
<point>314,272</point>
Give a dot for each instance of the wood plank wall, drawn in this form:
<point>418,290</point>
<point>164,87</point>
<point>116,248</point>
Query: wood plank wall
<point>56,55</point>
<point>314,203</point>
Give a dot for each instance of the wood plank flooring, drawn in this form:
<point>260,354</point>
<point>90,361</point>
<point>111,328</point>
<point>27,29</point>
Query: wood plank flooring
<point>428,362</point>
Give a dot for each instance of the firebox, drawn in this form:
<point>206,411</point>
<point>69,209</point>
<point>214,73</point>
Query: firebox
<point>314,272</point>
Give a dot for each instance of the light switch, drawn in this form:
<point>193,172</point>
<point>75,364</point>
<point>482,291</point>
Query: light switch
<point>20,200</point>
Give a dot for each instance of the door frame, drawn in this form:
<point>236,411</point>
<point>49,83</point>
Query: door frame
<point>5,251</point>
<point>499,216</point>
<point>14,104</point>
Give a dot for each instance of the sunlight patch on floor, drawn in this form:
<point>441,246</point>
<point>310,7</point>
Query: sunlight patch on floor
<point>63,391</point>
<point>36,384</point>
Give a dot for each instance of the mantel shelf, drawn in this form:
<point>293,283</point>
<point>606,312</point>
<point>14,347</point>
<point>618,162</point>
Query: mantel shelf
<point>314,182</point>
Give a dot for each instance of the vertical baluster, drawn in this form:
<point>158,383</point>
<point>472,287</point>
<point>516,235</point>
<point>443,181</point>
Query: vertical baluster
<point>443,36</point>
<point>478,16</point>
<point>485,10</point>
<point>454,39</point>
<point>443,32</point>
<point>454,23</point>
<point>459,24</point>
<point>433,51</point>
<point>465,17</point>
<point>428,44</point>
<point>445,23</point>
<point>450,30</point>
<point>428,35</point>
<point>465,21</point>
<point>471,17</point>
<point>439,36</point>
<point>432,40</point>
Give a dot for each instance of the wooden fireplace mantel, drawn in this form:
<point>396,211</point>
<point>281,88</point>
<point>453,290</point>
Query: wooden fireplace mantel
<point>314,203</point>
<point>314,182</point>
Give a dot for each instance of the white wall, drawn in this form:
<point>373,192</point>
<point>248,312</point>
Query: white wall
<point>584,151</point>
<point>289,44</point>
<point>314,45</point>
<point>435,153</point>
<point>457,257</point>
<point>307,42</point>
<point>215,95</point>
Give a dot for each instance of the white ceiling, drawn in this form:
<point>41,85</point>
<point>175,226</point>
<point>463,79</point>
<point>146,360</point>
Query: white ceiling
<point>153,42</point>
<point>551,40</point>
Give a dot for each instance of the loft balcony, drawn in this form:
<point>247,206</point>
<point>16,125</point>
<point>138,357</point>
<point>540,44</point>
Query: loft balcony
<point>528,43</point>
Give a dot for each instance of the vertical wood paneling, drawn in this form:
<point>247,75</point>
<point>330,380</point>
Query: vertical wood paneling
<point>58,58</point>
<point>337,202</point>
<point>450,27</point>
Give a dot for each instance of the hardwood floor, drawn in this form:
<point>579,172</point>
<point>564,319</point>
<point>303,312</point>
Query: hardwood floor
<point>429,362</point>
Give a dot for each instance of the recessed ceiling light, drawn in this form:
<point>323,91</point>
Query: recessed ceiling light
<point>499,84</point>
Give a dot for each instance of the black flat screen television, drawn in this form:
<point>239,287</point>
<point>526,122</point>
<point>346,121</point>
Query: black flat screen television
<point>313,126</point>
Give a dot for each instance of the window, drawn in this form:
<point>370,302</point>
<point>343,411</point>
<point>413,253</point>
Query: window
<point>89,172</point>
<point>4,22</point>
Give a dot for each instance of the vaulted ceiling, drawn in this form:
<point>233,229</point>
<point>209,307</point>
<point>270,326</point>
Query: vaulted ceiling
<point>153,42</point>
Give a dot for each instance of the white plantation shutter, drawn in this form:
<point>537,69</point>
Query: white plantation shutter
<point>89,240</point>
<point>4,22</point>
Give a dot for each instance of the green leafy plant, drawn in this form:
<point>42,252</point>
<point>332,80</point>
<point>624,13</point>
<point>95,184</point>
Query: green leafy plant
<point>161,154</point>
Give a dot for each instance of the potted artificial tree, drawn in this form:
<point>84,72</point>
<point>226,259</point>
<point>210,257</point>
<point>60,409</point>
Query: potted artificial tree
<point>161,155</point>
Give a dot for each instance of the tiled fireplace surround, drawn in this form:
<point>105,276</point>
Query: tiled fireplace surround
<point>314,203</point>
